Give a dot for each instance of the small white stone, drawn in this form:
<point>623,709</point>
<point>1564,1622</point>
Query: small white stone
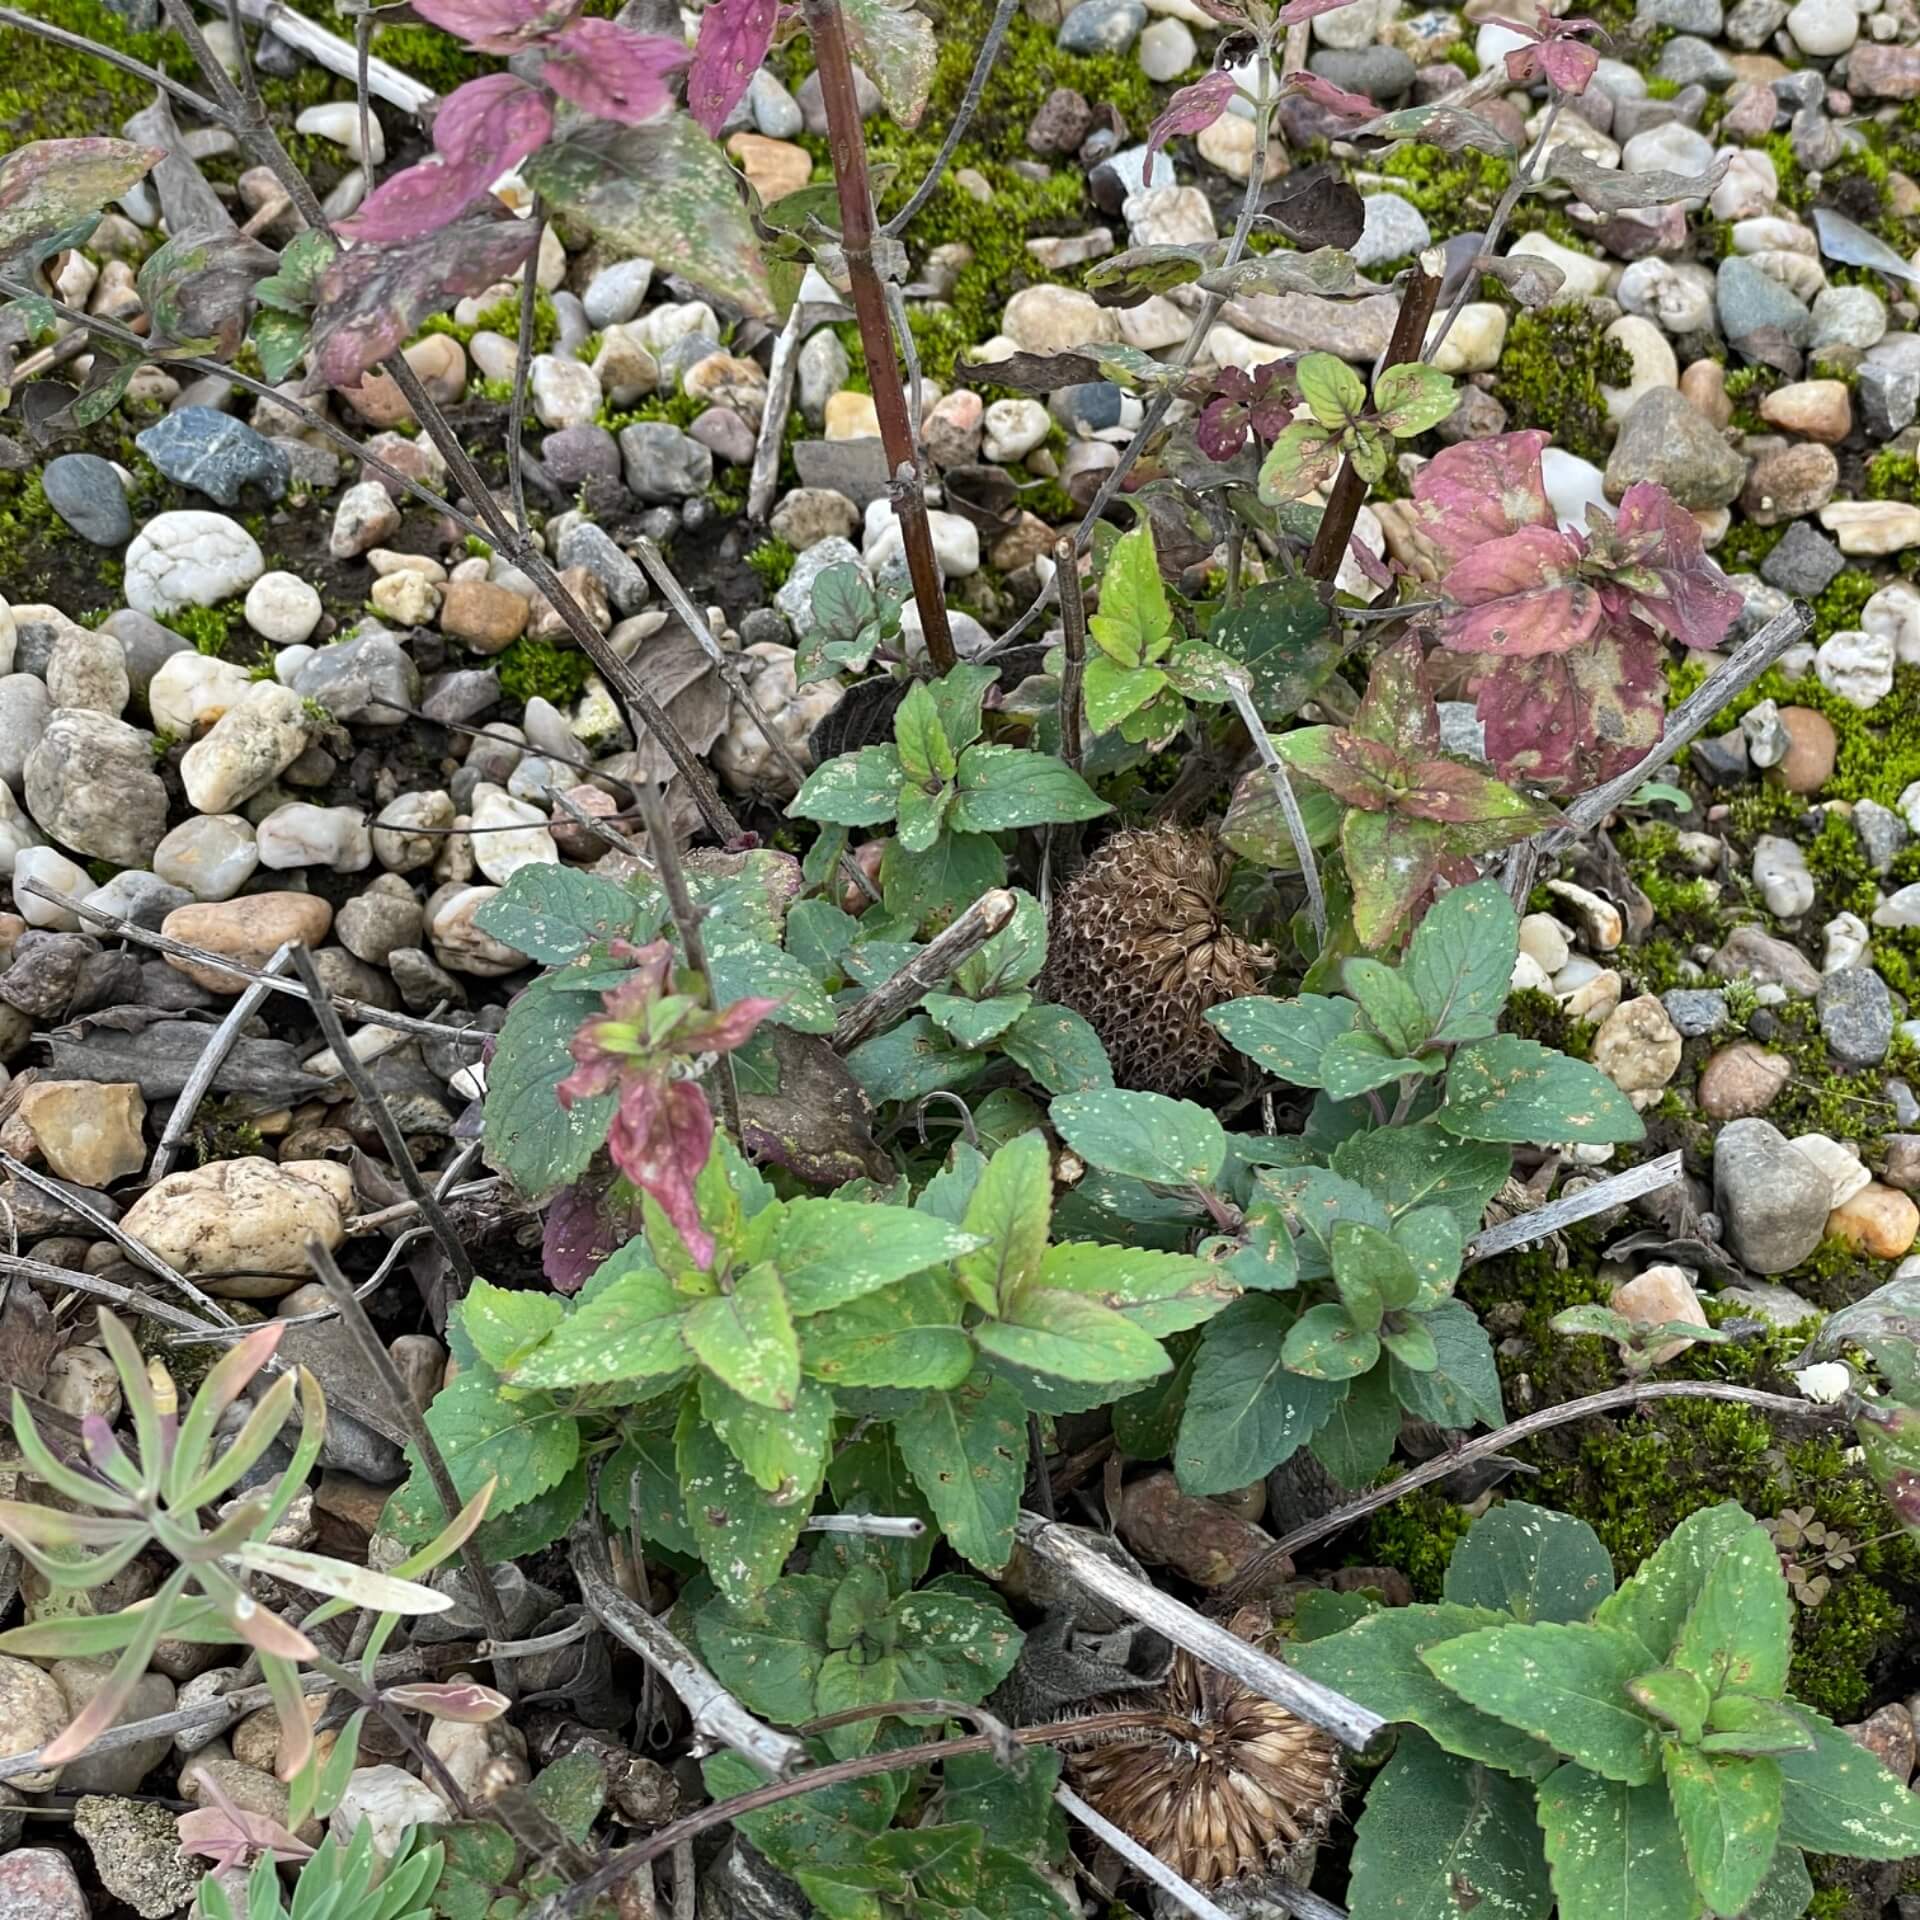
<point>1857,666</point>
<point>1654,363</point>
<point>565,393</point>
<point>387,1801</point>
<point>1894,614</point>
<point>1014,428</point>
<point>283,608</point>
<point>1847,941</point>
<point>1826,1383</point>
<point>1473,344</point>
<point>522,839</point>
<point>339,121</point>
<point>1780,872</point>
<point>1902,907</point>
<point>303,835</point>
<point>406,597</point>
<point>366,517</point>
<point>1840,1164</point>
<point>1573,485</point>
<point>1546,940</point>
<point>1167,49</point>
<point>212,856</point>
<point>1823,28</point>
<point>189,559</point>
<point>43,867</point>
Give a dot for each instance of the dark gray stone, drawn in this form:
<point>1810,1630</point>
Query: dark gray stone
<point>585,545</point>
<point>1856,1016</point>
<point>1805,563</point>
<point>368,680</point>
<point>1695,1010</point>
<point>1773,1200</point>
<point>662,463</point>
<point>86,493</point>
<point>215,453</point>
<point>1090,408</point>
<point>1664,439</point>
<point>1882,833</point>
<point>146,644</point>
<point>857,468</point>
<point>1704,17</point>
<point>1722,761</point>
<point>462,694</point>
<point>1750,302</point>
<point>575,455</point>
<point>1691,61</point>
<point>1102,26</point>
<point>1752,23</point>
<point>1380,73</point>
<point>1889,398</point>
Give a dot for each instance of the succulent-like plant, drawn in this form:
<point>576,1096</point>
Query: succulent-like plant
<point>336,1883</point>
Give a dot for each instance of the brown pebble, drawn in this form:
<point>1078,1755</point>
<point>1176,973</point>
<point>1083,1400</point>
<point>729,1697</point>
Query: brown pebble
<point>1810,755</point>
<point>1742,1080</point>
<point>1889,1736</point>
<point>1903,1162</point>
<point>486,616</point>
<point>1878,1220</point>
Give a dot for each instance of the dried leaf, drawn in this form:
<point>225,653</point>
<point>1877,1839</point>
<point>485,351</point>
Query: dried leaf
<point>1317,208</point>
<point>895,46</point>
<point>1609,190</point>
<point>1326,272</point>
<point>734,38</point>
<point>801,1108</point>
<point>1576,718</point>
<point>989,497</point>
<point>1853,246</point>
<point>198,289</point>
<point>1126,279</point>
<point>663,191</point>
<point>1033,372</point>
<point>1440,124</point>
<point>372,298</point>
<point>1330,99</point>
<point>1532,280</point>
<point>47,185</point>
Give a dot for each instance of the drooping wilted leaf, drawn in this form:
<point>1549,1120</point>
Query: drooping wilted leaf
<point>1327,272</point>
<point>1033,372</point>
<point>1576,718</point>
<point>1126,279</point>
<point>47,185</point>
<point>1317,209</point>
<point>1440,124</point>
<point>802,1109</point>
<point>198,288</point>
<point>987,496</point>
<point>666,192</point>
<point>1137,370</point>
<point>1532,280</point>
<point>372,298</point>
<point>1853,246</point>
<point>1611,190</point>
<point>894,45</point>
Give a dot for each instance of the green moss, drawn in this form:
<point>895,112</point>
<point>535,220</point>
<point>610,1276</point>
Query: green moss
<point>531,667</point>
<point>773,561</point>
<point>1893,476</point>
<point>1417,1535</point>
<point>209,628</point>
<point>503,317</point>
<point>1661,89</point>
<point>679,409</point>
<point>1455,192</point>
<point>1840,606</point>
<point>1460,53</point>
<point>1551,373</point>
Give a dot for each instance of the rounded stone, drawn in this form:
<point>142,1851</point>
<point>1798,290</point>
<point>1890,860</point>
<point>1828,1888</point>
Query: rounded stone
<point>1809,762</point>
<point>1742,1081</point>
<point>283,608</point>
<point>249,930</point>
<point>189,559</point>
<point>85,491</point>
<point>1773,1201</point>
<point>211,857</point>
<point>242,1225</point>
<point>90,785</point>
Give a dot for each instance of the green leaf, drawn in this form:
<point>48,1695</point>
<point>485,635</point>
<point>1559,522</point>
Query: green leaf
<point>1411,1344</point>
<point>1532,1563</point>
<point>1161,1293</point>
<point>912,1060</point>
<point>1442,1839</point>
<point>1012,958</point>
<point>1654,1602</point>
<point>1410,399</point>
<point>958,694</point>
<point>1377,1662</point>
<point>1460,960</point>
<point>538,1144</point>
<point>1728,1811</point>
<point>1147,1423</point>
<point>1289,1038</point>
<point>740,963</point>
<point>1134,620</point>
<point>1434,1246</point>
<point>926,755</point>
<point>1324,1344</point>
<point>642,1469</point>
<point>952,1645</point>
<point>1006,787</point>
<point>1007,1219</point>
<point>929,888</point>
<point>894,44</point>
<point>829,1251</point>
<point>1787,1891</point>
<point>867,1475</point>
<point>1070,1337</point>
<point>1330,388</point>
<point>1358,1062</point>
<point>853,789</point>
<point>1015,1807</point>
<point>1246,1412</point>
<point>1614,1850</point>
<point>1173,1143</point>
<point>1113,693</point>
<point>1316,1201</point>
<point>903,1336</point>
<point>1358,1440</point>
<point>1371,1271</point>
<point>1285,638</point>
<point>1840,1799</point>
<point>782,1448</point>
<point>743,1534</point>
<point>1738,1635</point>
<point>769,1649</point>
<point>1565,1685</point>
<point>1058,1048</point>
<point>967,1450</point>
<point>920,816</point>
<point>554,914</point>
<point>503,1323</point>
<point>975,1023</point>
<point>1464,1385</point>
<point>1738,1723</point>
<point>1512,1089</point>
<point>534,1525</point>
<point>1674,1698</point>
<point>1390,1004</point>
<point>628,1330</point>
<point>281,340</point>
<point>827,1828</point>
<point>1420,1167</point>
<point>525,1443</point>
<point>746,1337</point>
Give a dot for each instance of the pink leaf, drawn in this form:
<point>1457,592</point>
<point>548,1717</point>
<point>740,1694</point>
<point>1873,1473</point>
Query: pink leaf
<point>581,1229</point>
<point>732,1026</point>
<point>1331,99</point>
<point>660,1140</point>
<point>1369,562</point>
<point>1571,720</point>
<point>1519,595</point>
<point>1483,813</point>
<point>465,1701</point>
<point>1666,573</point>
<point>1190,110</point>
<point>1568,65</point>
<point>1297,10</point>
<point>1481,490</point>
<point>613,73</point>
<point>734,38</point>
<point>499,26</point>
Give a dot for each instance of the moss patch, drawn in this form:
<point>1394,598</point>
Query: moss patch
<point>1551,374</point>
<point>531,668</point>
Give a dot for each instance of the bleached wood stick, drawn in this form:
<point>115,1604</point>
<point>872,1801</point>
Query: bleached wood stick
<point>326,49</point>
<point>1649,1177</point>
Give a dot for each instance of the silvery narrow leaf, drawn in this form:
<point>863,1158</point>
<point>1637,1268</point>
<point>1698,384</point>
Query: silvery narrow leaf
<point>1853,246</point>
<point>1608,190</point>
<point>365,1588</point>
<point>1327,271</point>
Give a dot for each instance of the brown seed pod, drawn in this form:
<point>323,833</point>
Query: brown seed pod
<point>1139,949</point>
<point>1217,1782</point>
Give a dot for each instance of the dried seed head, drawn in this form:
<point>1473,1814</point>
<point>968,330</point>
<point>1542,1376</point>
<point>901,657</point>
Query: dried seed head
<point>1217,1782</point>
<point>1139,949</point>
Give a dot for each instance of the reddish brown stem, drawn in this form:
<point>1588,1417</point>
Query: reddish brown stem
<point>848,147</point>
<point>1349,490</point>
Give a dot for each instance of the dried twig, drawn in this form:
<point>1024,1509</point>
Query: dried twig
<point>1350,1723</point>
<point>523,366</point>
<point>354,1070</point>
<point>962,119</point>
<point>1175,1886</point>
<point>328,50</point>
<point>763,479</point>
<point>1073,671</point>
<point>928,968</point>
<point>219,1045</point>
<point>1649,1177</point>
<point>379,1363</point>
<point>716,1714</point>
<point>1289,804</point>
<point>100,1288</point>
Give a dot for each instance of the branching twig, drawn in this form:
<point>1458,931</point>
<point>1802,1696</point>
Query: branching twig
<point>354,1070</point>
<point>962,119</point>
<point>716,1714</point>
<point>933,964</point>
<point>1181,1890</point>
<point>1289,804</point>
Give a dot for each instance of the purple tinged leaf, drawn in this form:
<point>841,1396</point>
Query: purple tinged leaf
<point>1668,576</point>
<point>1397,711</point>
<point>1482,490</point>
<point>660,1139</point>
<point>1191,110</point>
<point>48,185</point>
<point>1564,63</point>
<point>484,130</point>
<point>1297,10</point>
<point>894,45</point>
<point>612,72</point>
<point>1392,862</point>
<point>1482,812</point>
<point>1331,99</point>
<point>373,298</point>
<point>582,1227</point>
<point>1519,595</point>
<point>734,38</point>
<point>499,26</point>
<point>1450,128</point>
<point>1571,720</point>
<point>465,1701</point>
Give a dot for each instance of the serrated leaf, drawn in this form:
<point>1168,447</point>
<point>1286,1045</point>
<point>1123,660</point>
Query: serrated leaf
<point>1287,1037</point>
<point>1285,638</point>
<point>1359,1062</point>
<point>829,1252</point>
<point>1006,787</point>
<point>1389,1003</point>
<point>1728,1811</point>
<point>895,47</point>
<point>903,1336</point>
<point>1146,1135</point>
<point>502,1324</point>
<point>629,1329</point>
<point>1134,619</point>
<point>1324,1344</point>
<point>1069,1337</point>
<point>1565,1685</point>
<point>1614,1850</point>
<point>1532,1563</point>
<point>530,1137</point>
<point>1839,1799</point>
<point>769,1650</point>
<point>1511,1089</point>
<point>1738,1634</point>
<point>967,1451</point>
<point>1653,1603</point>
<point>829,1827</point>
<point>1007,1218</point>
<point>1461,957</point>
<point>782,1448</point>
<point>743,1535</point>
<point>746,1337</point>
<point>1059,1049</point>
<point>1161,1293</point>
<point>527,1444</point>
<point>1418,1166</point>
<point>1360,1434</point>
<point>1674,1698</point>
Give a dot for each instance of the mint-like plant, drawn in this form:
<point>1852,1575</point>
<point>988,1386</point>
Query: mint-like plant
<point>1606,1751</point>
<point>1348,424</point>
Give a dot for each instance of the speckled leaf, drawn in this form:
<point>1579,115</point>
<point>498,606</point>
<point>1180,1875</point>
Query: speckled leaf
<point>1512,1089</point>
<point>1461,958</point>
<point>829,1252</point>
<point>198,289</point>
<point>967,1452</point>
<point>747,1338</point>
<point>1328,272</point>
<point>1787,1891</point>
<point>1059,1049</point>
<point>1442,1839</point>
<point>1738,1633</point>
<point>734,38</point>
<point>1285,638</point>
<point>280,339</point>
<point>1452,129</point>
<point>527,1442</point>
<point>1565,1685</point>
<point>829,1827</point>
<point>46,185</point>
<point>1482,490</point>
<point>1840,1799</point>
<point>1417,1166</point>
<point>1655,1600</point>
<point>1729,1816</point>
<point>1246,1413</point>
<point>1126,279</point>
<point>664,191</point>
<point>782,1448</point>
<point>1572,720</point>
<point>1615,190</point>
<point>554,914</point>
<point>1287,1037</point>
<point>499,26</point>
<point>373,298</point>
<point>530,1137</point>
<point>1147,1135</point>
<point>1532,1563</point>
<point>1256,827</point>
<point>894,45</point>
<point>1614,1849</point>
<point>1392,862</point>
<point>1191,110</point>
<point>1161,1293</point>
<point>1463,1387</point>
<point>744,1535</point>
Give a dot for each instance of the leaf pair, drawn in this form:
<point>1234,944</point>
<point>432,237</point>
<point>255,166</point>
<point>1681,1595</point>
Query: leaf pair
<point>1408,400</point>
